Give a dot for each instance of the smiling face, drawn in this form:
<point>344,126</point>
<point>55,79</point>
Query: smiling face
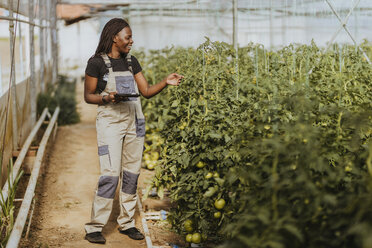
<point>123,40</point>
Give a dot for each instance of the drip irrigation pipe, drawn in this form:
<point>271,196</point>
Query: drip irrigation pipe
<point>22,154</point>
<point>17,230</point>
<point>144,223</point>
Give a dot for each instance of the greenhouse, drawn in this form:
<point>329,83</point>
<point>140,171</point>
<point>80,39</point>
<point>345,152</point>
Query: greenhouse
<point>186,123</point>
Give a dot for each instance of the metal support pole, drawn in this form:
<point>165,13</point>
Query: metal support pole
<point>21,51</point>
<point>235,43</point>
<point>48,39</point>
<point>235,23</point>
<point>54,41</point>
<point>32,63</point>
<point>356,23</point>
<point>1,80</point>
<point>41,43</point>
<point>12,78</point>
<point>284,23</point>
<point>271,25</point>
<point>79,43</point>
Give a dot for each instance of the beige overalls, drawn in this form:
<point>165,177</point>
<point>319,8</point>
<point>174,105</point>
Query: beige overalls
<point>120,135</point>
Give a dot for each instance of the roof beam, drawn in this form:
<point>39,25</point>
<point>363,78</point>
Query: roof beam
<point>23,7</point>
<point>122,2</point>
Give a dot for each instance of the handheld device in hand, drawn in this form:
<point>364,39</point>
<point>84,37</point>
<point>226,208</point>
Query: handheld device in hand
<point>125,97</point>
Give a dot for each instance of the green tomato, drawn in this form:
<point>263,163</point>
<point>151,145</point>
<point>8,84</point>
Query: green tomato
<point>200,164</point>
<point>151,165</point>
<point>189,238</point>
<point>219,204</point>
<point>196,238</point>
<point>146,157</point>
<point>188,226</point>
<point>209,175</point>
<point>204,237</point>
<point>189,229</point>
<point>217,215</point>
<point>188,222</point>
<point>154,156</point>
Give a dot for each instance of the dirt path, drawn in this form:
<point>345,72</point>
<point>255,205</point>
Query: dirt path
<point>66,191</point>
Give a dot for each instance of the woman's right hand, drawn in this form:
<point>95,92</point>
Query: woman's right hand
<point>111,97</point>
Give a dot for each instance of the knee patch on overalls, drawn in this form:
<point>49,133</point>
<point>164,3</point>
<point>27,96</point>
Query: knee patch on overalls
<point>129,184</point>
<point>104,150</point>
<point>107,186</point>
<point>140,127</point>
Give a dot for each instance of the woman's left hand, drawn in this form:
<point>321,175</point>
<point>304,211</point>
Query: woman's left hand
<point>174,79</point>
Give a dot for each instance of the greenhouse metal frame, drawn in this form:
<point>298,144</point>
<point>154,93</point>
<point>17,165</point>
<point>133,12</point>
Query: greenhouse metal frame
<point>18,104</point>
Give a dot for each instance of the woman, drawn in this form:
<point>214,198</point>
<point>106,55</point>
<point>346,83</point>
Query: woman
<point>113,80</point>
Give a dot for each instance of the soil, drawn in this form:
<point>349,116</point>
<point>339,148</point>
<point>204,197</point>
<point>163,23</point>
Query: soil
<point>65,193</point>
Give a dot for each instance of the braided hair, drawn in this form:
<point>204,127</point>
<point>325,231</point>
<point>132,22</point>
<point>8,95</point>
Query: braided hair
<point>112,28</point>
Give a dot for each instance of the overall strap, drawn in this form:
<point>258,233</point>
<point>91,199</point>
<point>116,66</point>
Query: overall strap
<point>129,61</point>
<point>107,61</point>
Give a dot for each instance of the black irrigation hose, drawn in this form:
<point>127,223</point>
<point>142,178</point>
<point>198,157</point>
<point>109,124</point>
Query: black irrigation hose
<point>10,81</point>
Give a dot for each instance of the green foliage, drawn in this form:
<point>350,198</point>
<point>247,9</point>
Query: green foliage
<point>7,207</point>
<point>289,149</point>
<point>63,95</point>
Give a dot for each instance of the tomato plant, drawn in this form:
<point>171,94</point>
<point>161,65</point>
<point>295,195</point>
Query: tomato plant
<point>285,140</point>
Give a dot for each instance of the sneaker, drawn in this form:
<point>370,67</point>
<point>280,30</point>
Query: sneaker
<point>95,237</point>
<point>133,233</point>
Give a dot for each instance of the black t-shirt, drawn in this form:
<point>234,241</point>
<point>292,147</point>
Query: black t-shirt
<point>96,68</point>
